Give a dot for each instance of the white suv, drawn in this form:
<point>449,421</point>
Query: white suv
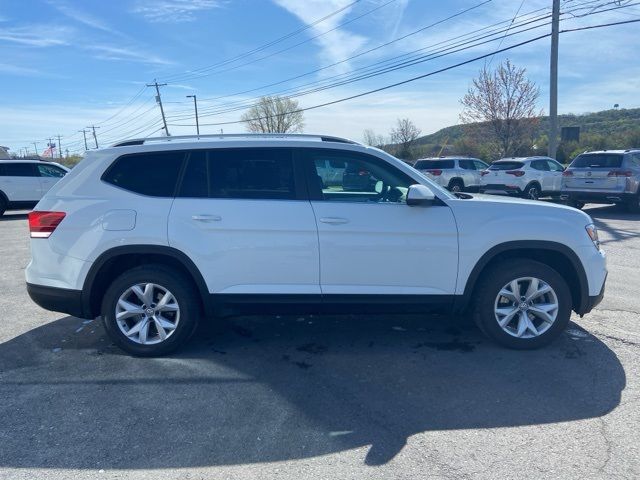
<point>156,234</point>
<point>24,182</point>
<point>530,177</point>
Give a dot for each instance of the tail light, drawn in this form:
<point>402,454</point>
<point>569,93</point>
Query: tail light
<point>484,172</point>
<point>516,173</point>
<point>435,172</point>
<point>620,173</point>
<point>567,173</point>
<point>42,224</point>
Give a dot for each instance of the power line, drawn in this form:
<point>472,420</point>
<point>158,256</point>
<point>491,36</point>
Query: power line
<point>173,78</point>
<point>441,70</point>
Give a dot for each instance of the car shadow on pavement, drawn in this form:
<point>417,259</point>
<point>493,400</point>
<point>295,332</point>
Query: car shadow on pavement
<point>281,388</point>
<point>602,216</point>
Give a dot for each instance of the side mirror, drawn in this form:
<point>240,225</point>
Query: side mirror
<point>419,195</point>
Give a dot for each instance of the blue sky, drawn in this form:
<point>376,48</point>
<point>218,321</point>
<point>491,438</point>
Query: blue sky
<point>68,64</point>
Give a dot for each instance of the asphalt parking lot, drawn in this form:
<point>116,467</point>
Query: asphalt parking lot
<point>323,397</point>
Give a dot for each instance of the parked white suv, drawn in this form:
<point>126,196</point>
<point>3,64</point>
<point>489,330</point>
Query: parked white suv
<point>456,174</point>
<point>156,234</point>
<point>24,182</point>
<point>530,177</point>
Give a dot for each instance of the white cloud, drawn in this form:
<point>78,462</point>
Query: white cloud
<point>25,71</point>
<point>37,35</point>
<point>82,17</point>
<point>171,11</point>
<point>127,54</point>
<point>336,45</point>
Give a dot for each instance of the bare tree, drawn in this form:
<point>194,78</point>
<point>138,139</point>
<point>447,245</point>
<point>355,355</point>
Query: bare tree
<point>274,115</point>
<point>502,104</point>
<point>371,138</point>
<point>404,135</point>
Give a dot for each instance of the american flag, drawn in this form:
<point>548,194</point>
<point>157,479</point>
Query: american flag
<point>50,150</point>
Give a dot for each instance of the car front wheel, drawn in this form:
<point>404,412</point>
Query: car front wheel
<point>522,304</point>
<point>150,311</point>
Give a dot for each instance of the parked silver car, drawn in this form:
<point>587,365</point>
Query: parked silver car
<point>458,174</point>
<point>607,176</point>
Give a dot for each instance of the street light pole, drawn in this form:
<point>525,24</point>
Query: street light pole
<point>553,81</point>
<point>195,104</point>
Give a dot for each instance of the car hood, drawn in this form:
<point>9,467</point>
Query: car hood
<point>522,206</point>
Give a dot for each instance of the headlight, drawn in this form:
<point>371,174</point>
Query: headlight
<point>592,231</point>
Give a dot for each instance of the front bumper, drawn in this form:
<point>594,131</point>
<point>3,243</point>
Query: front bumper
<point>57,299</point>
<point>593,301</point>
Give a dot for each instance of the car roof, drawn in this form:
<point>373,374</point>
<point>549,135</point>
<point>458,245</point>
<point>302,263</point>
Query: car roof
<point>523,159</point>
<point>615,152</point>
<point>200,140</point>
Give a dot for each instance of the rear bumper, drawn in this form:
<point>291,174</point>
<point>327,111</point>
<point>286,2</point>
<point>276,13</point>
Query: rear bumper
<point>596,197</point>
<point>57,299</point>
<point>499,189</point>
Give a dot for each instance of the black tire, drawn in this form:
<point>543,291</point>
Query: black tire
<point>3,205</point>
<point>634,205</point>
<point>456,185</point>
<point>495,278</point>
<point>575,204</point>
<point>182,290</point>
<point>532,191</point>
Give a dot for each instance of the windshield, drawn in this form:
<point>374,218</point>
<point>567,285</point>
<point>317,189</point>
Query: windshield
<point>505,165</point>
<point>597,160</point>
<point>434,164</point>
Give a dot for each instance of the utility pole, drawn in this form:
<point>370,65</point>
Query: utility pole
<point>51,148</point>
<point>59,147</point>
<point>195,104</point>
<point>95,139</point>
<point>553,81</point>
<point>84,134</point>
<point>159,101</point>
<point>35,145</point>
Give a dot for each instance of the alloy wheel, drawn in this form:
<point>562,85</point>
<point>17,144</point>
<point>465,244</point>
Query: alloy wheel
<point>526,307</point>
<point>147,313</point>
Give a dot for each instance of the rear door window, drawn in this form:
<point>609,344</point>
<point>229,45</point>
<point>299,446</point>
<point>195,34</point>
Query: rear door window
<point>243,173</point>
<point>154,173</point>
<point>467,164</point>
<point>597,160</point>
<point>541,165</point>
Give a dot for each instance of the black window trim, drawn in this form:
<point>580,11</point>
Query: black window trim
<point>34,169</point>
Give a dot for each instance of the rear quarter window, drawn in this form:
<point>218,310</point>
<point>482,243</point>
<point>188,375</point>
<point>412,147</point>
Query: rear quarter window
<point>434,164</point>
<point>597,160</point>
<point>18,170</point>
<point>154,173</point>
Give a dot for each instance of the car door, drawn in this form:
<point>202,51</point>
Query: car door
<point>540,171</point>
<point>555,174</point>
<point>480,166</point>
<point>49,176</point>
<point>241,215</point>
<point>371,241</point>
<point>21,182</point>
<point>467,171</point>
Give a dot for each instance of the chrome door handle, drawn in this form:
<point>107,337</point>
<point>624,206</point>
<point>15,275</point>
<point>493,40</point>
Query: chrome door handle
<point>206,218</point>
<point>334,220</point>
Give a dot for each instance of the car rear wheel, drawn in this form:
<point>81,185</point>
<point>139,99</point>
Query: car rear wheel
<point>150,311</point>
<point>532,191</point>
<point>3,206</point>
<point>456,186</point>
<point>522,304</point>
<point>634,205</point>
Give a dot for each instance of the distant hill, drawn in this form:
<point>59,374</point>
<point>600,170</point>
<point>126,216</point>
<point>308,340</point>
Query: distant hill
<point>606,122</point>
